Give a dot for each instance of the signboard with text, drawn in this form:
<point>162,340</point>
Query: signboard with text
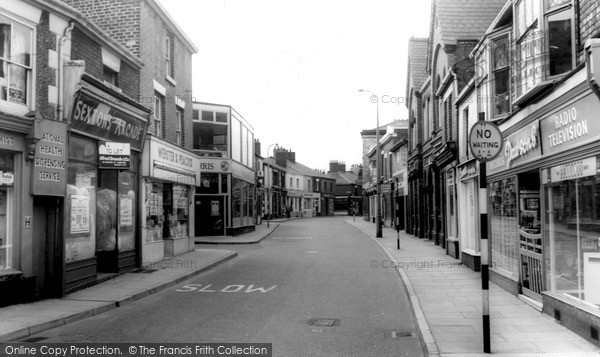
<point>519,147</point>
<point>114,156</point>
<point>50,161</point>
<point>485,141</point>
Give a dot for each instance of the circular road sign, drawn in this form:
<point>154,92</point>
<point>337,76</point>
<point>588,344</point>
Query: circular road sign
<point>485,141</point>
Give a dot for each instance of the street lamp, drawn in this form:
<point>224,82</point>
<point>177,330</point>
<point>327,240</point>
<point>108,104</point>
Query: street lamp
<point>379,233</point>
<point>269,198</point>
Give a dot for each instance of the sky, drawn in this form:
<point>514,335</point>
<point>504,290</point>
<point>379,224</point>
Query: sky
<point>293,69</point>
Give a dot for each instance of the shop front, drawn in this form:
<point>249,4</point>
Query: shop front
<point>212,197</point>
<point>513,189</point>
<point>242,200</point>
<point>570,200</point>
<point>169,178</point>
<point>468,206</point>
<point>106,135</point>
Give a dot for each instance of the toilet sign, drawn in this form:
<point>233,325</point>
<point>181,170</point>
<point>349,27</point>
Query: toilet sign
<point>485,141</point>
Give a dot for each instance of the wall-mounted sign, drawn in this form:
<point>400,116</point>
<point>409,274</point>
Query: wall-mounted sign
<point>485,141</point>
<point>50,161</point>
<point>574,170</point>
<point>571,126</point>
<point>114,156</point>
<point>214,165</point>
<point>519,147</point>
<point>103,120</point>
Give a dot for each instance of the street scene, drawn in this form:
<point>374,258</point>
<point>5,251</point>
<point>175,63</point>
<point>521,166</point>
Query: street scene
<point>284,178</point>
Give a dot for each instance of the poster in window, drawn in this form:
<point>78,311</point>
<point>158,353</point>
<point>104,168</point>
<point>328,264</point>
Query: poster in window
<point>80,214</point>
<point>125,211</point>
<point>214,208</point>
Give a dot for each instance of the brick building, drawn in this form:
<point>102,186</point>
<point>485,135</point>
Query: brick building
<point>53,234</point>
<point>168,165</point>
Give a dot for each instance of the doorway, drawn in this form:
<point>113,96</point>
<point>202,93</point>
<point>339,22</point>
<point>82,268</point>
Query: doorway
<point>210,215</point>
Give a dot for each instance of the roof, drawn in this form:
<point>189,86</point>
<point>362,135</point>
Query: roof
<point>344,178</point>
<point>271,161</point>
<point>383,128</point>
<point>465,19</point>
<point>417,63</point>
<point>299,169</point>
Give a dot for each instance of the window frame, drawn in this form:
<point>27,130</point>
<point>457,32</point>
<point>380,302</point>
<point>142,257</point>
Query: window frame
<point>492,70</point>
<point>169,65</point>
<point>157,114</point>
<point>179,127</point>
<point>563,8</point>
<point>30,69</point>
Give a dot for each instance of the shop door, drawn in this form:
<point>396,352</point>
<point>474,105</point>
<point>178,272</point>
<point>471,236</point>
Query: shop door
<point>530,237</point>
<point>210,216</point>
<point>47,215</point>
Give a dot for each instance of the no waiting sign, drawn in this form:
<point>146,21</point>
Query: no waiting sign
<point>485,141</point>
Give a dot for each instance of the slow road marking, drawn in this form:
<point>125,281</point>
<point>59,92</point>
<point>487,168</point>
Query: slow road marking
<point>228,289</point>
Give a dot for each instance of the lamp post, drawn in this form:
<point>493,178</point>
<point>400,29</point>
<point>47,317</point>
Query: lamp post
<point>270,187</point>
<point>379,233</point>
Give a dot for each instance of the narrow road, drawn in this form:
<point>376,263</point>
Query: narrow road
<point>308,288</point>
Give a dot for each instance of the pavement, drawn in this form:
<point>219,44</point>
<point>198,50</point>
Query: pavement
<point>17,322</point>
<point>261,232</point>
<point>446,300</point>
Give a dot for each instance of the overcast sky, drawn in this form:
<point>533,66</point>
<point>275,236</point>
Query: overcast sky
<point>293,68</point>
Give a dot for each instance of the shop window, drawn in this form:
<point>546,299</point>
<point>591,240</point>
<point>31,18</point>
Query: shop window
<point>503,226</point>
<point>209,184</point>
<point>211,137</point>
<point>154,211</point>
<point>16,48</point>
<point>179,222</point>
<point>82,176</point>
<point>127,223</point>
<point>571,238</point>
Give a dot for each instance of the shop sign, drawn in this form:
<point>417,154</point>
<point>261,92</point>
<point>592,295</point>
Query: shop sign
<point>114,156</point>
<point>571,126</point>
<point>217,165</point>
<point>519,147</point>
<point>469,171</point>
<point>172,157</point>
<point>104,120</point>
<point>386,188</point>
<point>50,161</point>
<point>574,170</point>
<point>10,142</point>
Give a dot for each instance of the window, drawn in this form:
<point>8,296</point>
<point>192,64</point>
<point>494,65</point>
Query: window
<point>500,75</point>
<point>291,182</point>
<point>195,114</point>
<point>207,116</point>
<point>179,129</point>
<point>221,117</point>
<point>158,115</point>
<point>110,76</point>
<point>16,48</point>
<point>169,67</point>
<point>7,238</point>
<point>561,40</point>
<point>297,183</point>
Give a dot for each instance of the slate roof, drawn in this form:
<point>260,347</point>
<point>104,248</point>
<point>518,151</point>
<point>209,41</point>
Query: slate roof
<point>299,169</point>
<point>466,19</point>
<point>344,178</point>
<point>417,63</point>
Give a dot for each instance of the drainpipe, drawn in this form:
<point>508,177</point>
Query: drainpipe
<point>592,63</point>
<point>61,73</point>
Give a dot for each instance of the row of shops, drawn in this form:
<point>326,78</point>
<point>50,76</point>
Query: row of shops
<point>89,197</point>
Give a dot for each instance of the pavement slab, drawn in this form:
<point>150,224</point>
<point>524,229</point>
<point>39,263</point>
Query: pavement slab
<point>448,296</point>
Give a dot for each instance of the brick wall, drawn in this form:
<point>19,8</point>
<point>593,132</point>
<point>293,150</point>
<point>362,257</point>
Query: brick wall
<point>589,23</point>
<point>45,76</point>
<point>118,18</point>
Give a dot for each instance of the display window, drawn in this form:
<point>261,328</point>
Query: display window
<point>503,226</point>
<point>154,211</point>
<point>242,203</point>
<point>82,174</point>
<point>572,238</point>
